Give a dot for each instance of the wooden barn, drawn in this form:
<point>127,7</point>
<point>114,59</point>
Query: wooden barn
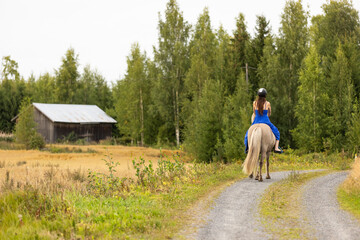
<point>56,121</point>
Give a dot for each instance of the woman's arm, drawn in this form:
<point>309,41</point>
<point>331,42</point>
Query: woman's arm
<point>269,109</point>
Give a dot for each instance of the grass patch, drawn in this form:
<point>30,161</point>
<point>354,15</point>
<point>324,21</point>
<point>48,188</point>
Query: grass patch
<point>349,191</point>
<point>149,206</point>
<point>292,160</point>
<point>350,201</point>
<point>53,149</point>
<point>280,206</point>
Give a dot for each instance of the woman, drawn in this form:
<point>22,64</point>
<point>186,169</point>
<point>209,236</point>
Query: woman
<point>262,111</point>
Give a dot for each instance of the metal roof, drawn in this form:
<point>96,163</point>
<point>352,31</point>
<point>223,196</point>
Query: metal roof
<point>73,113</point>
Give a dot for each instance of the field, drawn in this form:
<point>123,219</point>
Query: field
<point>31,166</point>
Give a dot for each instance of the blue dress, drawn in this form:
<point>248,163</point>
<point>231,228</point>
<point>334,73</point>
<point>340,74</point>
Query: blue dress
<point>262,119</point>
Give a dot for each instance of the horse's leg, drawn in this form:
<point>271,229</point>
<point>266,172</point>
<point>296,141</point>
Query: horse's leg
<point>256,172</point>
<point>267,165</point>
<point>260,167</point>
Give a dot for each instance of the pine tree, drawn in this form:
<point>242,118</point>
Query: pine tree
<point>256,51</point>
<point>240,45</point>
<point>341,89</point>
<point>203,135</point>
<point>236,120</point>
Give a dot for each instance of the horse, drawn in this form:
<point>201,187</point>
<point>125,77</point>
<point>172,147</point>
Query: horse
<point>261,141</point>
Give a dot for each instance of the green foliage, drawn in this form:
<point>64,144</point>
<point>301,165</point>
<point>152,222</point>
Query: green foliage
<point>67,78</point>
<point>353,136</point>
<point>342,90</point>
<point>134,98</point>
<point>313,105</point>
<point>101,184</point>
<point>25,130</point>
<point>203,131</point>
<point>236,120</point>
<point>171,62</point>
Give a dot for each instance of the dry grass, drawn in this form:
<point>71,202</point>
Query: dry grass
<point>352,183</point>
<point>69,169</point>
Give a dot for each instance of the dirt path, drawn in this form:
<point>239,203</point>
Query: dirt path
<point>323,211</point>
<point>235,215</point>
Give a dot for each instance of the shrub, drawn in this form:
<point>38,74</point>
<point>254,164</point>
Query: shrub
<point>25,129</point>
<point>36,141</point>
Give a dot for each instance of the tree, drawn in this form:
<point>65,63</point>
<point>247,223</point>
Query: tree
<point>171,57</point>
<point>203,135</point>
<point>262,31</point>
<point>67,78</point>
<point>134,92</point>
<point>93,89</point>
<point>339,23</point>
<point>25,129</point>
<point>43,89</point>
<point>236,120</point>
<point>313,105</point>
<point>240,45</point>
<point>12,91</point>
<point>224,66</point>
<point>281,74</point>
<point>341,89</point>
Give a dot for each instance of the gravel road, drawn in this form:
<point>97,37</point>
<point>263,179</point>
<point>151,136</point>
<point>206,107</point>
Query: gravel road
<point>323,211</point>
<point>235,212</point>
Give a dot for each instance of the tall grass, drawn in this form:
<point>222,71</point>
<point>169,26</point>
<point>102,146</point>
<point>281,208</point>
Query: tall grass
<point>83,204</point>
<point>349,191</point>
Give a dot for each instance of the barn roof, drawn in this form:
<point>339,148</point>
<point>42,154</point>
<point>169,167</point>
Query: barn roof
<point>73,113</point>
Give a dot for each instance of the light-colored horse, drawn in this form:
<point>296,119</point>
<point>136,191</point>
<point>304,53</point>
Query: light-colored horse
<point>261,140</point>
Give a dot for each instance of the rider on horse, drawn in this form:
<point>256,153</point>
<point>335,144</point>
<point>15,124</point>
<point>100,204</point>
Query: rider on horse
<point>262,111</point>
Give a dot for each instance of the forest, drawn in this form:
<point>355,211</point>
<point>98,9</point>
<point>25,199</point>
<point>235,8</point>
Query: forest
<point>196,92</point>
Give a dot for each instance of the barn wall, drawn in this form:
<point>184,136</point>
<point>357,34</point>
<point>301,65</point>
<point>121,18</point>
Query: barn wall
<point>89,132</point>
<point>44,126</point>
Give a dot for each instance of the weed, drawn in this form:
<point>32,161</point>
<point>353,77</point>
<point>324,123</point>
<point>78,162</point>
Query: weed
<point>19,163</point>
<point>76,175</point>
<point>2,164</point>
<point>50,173</point>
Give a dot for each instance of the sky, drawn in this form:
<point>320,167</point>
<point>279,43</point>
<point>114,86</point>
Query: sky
<point>37,33</point>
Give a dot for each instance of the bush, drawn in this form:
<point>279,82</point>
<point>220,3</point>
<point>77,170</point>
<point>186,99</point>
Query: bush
<point>25,129</point>
<point>36,141</point>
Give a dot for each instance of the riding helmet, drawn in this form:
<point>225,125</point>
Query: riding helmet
<point>262,92</point>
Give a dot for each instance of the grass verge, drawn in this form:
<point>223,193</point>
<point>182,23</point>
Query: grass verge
<point>280,207</point>
<point>349,191</point>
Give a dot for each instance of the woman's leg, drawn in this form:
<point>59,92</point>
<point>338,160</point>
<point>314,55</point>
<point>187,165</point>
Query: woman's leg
<point>277,136</point>
<point>246,142</point>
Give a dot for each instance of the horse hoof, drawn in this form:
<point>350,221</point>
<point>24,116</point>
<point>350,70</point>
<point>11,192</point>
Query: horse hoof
<point>257,178</point>
<point>260,180</point>
<point>250,176</point>
<point>268,177</point>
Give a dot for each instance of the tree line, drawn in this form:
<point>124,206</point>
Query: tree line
<point>197,91</point>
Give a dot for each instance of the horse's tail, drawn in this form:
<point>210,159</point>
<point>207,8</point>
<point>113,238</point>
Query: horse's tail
<point>252,158</point>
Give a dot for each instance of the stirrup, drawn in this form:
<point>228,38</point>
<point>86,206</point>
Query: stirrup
<point>281,151</point>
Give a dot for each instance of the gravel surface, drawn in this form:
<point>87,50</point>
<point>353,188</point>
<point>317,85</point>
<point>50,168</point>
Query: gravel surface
<point>323,211</point>
<point>235,212</point>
